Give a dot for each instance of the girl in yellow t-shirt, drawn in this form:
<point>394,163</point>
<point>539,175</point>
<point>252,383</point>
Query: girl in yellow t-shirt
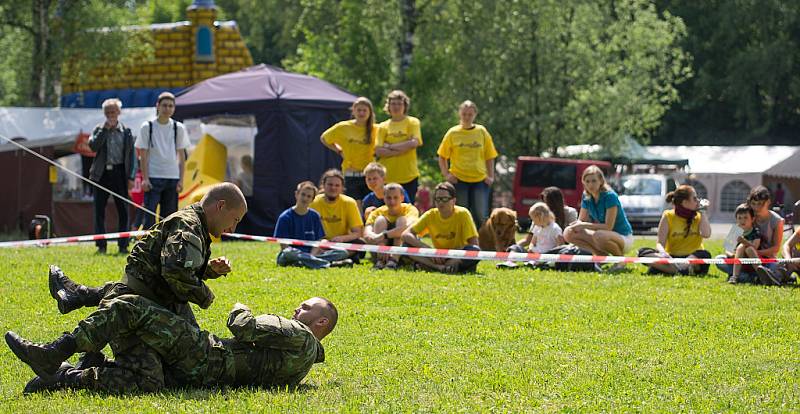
<point>680,233</point>
<point>471,152</point>
<point>354,141</point>
<point>397,141</point>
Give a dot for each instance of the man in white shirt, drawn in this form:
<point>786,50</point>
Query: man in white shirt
<point>162,144</point>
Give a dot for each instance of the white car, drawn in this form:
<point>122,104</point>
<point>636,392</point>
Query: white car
<point>643,197</point>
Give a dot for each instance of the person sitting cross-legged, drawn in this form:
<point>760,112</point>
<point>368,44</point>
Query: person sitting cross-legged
<point>303,223</point>
<point>375,177</point>
<point>385,225</point>
<point>450,227</point>
<point>340,217</point>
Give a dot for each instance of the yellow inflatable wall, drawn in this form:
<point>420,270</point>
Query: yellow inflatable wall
<point>205,167</point>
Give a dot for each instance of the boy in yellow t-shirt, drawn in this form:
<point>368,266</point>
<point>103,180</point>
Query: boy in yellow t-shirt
<point>450,227</point>
<point>385,225</point>
<point>397,141</point>
<point>339,213</point>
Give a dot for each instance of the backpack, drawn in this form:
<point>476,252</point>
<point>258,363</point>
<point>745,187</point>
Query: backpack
<point>572,266</point>
<point>174,134</point>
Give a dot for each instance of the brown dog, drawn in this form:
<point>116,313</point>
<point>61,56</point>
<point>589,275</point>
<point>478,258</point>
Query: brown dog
<point>499,231</point>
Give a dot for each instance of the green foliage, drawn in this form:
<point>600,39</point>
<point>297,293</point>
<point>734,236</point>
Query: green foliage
<point>543,73</point>
<point>48,35</point>
<point>496,341</point>
<point>746,88</point>
<point>266,25</point>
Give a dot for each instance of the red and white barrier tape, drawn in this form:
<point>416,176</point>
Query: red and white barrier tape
<point>419,251</point>
<point>73,239</point>
<point>500,256</point>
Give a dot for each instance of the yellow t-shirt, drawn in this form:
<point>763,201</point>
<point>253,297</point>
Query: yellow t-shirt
<point>356,154</point>
<point>402,168</point>
<point>406,210</point>
<point>450,233</point>
<point>677,244</point>
<point>468,150</point>
<point>337,217</point>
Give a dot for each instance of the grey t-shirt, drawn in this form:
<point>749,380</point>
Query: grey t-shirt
<point>768,228</point>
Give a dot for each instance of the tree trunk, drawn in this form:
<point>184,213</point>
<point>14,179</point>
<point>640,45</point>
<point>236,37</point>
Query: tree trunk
<point>405,46</point>
<point>41,85</point>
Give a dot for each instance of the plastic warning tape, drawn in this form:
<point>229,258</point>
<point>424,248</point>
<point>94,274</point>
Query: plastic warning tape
<point>501,256</point>
<point>73,239</point>
<point>418,251</point>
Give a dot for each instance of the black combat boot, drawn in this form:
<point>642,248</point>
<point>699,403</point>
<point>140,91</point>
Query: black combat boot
<point>70,295</point>
<point>66,377</point>
<point>44,359</point>
<point>90,360</point>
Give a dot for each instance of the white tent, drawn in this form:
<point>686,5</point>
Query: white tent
<point>726,174</point>
<point>58,127</point>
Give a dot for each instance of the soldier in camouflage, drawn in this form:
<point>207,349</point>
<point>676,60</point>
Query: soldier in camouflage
<point>265,350</point>
<point>169,266</point>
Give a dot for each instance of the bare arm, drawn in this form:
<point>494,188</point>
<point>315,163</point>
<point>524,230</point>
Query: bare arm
<point>777,240</point>
<point>444,169</point>
<point>526,241</point>
<point>489,172</point>
<point>787,247</point>
<point>181,162</point>
<point>333,147</point>
<point>144,154</point>
<point>355,232</point>
<point>410,238</point>
<point>473,241</point>
<point>705,226</point>
<point>663,232</point>
<point>399,148</point>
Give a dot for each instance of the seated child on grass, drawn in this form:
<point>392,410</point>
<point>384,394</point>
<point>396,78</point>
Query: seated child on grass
<point>544,234</point>
<point>749,241</point>
<point>304,223</point>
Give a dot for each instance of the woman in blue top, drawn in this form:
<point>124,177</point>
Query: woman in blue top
<point>602,227</point>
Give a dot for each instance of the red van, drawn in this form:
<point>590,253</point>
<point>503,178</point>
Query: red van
<point>534,174</point>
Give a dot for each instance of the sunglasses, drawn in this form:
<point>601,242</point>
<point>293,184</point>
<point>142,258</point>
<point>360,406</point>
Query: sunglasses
<point>442,199</point>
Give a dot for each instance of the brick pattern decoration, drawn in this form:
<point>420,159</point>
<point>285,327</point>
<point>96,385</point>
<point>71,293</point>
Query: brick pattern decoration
<point>172,65</point>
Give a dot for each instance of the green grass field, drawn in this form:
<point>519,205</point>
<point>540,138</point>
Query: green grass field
<point>497,341</point>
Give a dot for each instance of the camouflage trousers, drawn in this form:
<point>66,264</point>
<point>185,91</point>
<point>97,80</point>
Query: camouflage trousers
<point>153,347</point>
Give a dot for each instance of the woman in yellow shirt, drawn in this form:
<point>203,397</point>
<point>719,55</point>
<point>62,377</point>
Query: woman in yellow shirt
<point>680,234</point>
<point>471,152</point>
<point>354,141</point>
<point>397,141</point>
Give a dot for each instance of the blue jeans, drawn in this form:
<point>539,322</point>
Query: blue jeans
<point>744,277</point>
<point>475,198</point>
<point>294,256</point>
<point>163,192</point>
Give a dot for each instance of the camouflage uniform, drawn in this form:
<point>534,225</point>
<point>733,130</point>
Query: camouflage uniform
<point>168,266</point>
<point>267,350</point>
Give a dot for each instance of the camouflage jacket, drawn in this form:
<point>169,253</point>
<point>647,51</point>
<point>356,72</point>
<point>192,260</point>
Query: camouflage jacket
<point>169,264</point>
<point>269,350</point>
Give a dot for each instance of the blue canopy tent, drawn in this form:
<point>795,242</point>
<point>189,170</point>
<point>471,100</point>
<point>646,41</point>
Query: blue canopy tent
<point>291,112</point>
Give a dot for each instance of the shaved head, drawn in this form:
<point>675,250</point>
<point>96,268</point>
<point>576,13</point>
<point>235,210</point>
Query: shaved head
<point>228,192</point>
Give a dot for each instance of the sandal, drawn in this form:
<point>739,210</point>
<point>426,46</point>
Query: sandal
<point>450,269</point>
<point>379,265</point>
<point>391,264</point>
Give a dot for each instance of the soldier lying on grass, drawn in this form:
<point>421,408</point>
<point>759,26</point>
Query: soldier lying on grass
<point>266,350</point>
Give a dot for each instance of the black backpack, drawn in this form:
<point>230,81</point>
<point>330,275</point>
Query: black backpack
<point>572,266</point>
